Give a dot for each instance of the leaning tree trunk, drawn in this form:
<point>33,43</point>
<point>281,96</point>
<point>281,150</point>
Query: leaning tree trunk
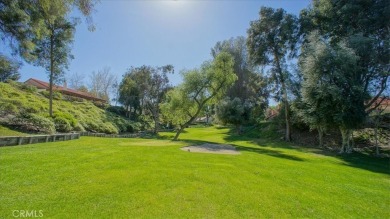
<point>178,132</point>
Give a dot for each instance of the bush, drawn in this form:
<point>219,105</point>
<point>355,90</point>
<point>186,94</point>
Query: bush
<point>28,88</point>
<point>56,95</point>
<point>117,110</point>
<point>62,125</point>
<point>79,128</point>
<point>109,128</point>
<point>66,116</point>
<point>134,127</point>
<point>91,126</point>
<point>32,109</point>
<point>7,108</point>
<point>33,123</point>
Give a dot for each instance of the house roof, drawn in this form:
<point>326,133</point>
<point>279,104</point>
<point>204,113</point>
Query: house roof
<point>67,91</point>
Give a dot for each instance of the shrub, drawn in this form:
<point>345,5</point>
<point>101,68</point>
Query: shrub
<point>109,128</point>
<point>56,95</point>
<point>66,116</point>
<point>31,108</point>
<point>119,110</point>
<point>79,128</point>
<point>62,125</point>
<point>8,108</point>
<point>91,126</point>
<point>35,123</point>
<point>134,127</point>
<point>28,88</point>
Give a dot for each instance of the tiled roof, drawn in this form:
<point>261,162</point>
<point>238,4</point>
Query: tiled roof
<point>71,92</point>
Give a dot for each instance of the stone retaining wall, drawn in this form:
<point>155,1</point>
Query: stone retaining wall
<point>33,139</point>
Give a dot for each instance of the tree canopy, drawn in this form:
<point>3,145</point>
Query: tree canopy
<point>9,69</point>
<point>271,40</point>
<point>211,81</point>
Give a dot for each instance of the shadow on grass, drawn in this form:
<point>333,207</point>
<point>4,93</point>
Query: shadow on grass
<point>367,162</point>
<point>269,152</point>
<point>356,159</point>
<point>264,151</point>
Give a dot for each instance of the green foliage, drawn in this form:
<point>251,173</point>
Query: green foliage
<point>119,110</point>
<point>233,111</point>
<point>265,130</point>
<point>28,88</point>
<point>8,69</point>
<point>207,84</point>
<point>62,124</point>
<point>332,90</point>
<point>271,40</point>
<point>142,90</point>
<point>109,128</point>
<point>33,123</point>
<point>56,95</point>
<point>68,116</point>
<point>8,108</point>
<point>367,34</point>
<point>65,122</point>
<point>251,86</point>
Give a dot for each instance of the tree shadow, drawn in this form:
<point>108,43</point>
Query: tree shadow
<point>269,152</point>
<point>264,151</point>
<point>356,159</point>
<point>367,162</point>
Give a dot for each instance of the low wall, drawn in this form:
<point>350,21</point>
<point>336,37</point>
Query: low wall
<point>33,139</point>
<point>104,135</point>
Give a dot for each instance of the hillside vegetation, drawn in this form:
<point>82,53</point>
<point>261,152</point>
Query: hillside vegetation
<point>22,107</point>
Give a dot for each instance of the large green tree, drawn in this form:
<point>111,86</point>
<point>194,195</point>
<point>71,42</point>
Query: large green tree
<point>52,48</point>
<point>364,26</point>
<point>185,102</point>
<point>233,111</point>
<point>143,88</point>
<point>271,40</point>
<point>330,95</point>
<point>251,85</point>
<point>132,89</point>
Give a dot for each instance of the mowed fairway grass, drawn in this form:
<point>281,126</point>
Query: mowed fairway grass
<point>153,178</point>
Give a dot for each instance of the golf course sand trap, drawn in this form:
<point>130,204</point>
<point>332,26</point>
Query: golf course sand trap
<point>211,148</point>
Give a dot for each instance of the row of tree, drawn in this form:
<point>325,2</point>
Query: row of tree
<point>329,66</point>
<point>326,68</point>
<point>342,50</point>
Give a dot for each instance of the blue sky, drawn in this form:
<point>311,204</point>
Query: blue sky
<point>181,33</point>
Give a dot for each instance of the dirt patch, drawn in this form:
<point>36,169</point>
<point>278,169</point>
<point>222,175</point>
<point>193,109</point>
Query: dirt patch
<point>212,148</point>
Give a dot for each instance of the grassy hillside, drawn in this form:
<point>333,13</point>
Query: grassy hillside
<point>4,131</point>
<point>153,178</point>
<point>24,108</point>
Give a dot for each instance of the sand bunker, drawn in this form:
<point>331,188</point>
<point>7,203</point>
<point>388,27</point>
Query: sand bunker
<point>212,148</point>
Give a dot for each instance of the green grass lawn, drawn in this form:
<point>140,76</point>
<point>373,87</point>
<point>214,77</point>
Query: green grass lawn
<point>152,178</point>
<point>4,131</point>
